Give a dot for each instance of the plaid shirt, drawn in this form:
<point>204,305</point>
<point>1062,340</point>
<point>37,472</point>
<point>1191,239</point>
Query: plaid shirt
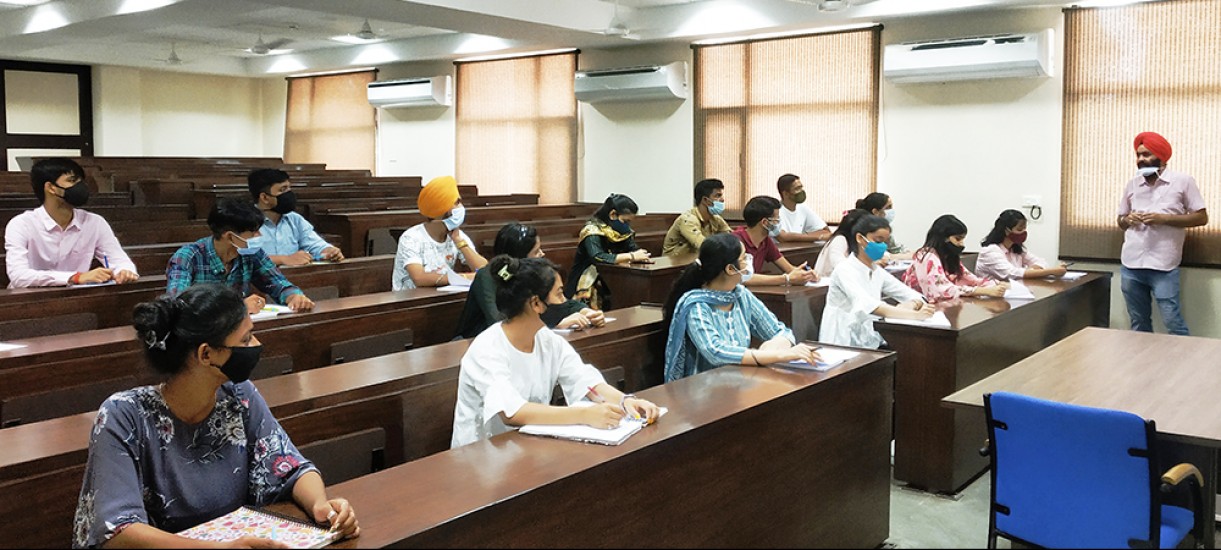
<point>198,263</point>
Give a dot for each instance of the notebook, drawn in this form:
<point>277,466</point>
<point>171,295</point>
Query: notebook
<point>1018,291</point>
<point>1073,275</point>
<point>588,434</point>
<point>269,311</point>
<point>248,522</point>
<point>831,358</point>
<point>454,279</point>
<point>937,320</point>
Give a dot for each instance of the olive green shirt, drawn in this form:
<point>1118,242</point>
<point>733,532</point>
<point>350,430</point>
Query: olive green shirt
<point>689,231</point>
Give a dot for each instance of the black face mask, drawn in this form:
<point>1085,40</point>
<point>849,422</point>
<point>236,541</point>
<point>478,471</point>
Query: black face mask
<point>77,195</point>
<point>285,202</point>
<point>241,363</point>
<point>954,248</point>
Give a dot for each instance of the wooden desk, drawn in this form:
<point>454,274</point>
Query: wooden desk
<point>632,284</point>
<point>798,307</point>
<point>1171,380</point>
<point>727,467</point>
<point>936,448</point>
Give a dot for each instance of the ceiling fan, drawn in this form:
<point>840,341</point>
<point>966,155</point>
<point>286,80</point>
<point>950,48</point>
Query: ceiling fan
<point>366,32</point>
<point>173,58</point>
<point>834,5</point>
<point>616,27</point>
<point>264,48</point>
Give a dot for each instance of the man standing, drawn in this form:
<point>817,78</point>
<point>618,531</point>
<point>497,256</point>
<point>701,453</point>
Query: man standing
<point>797,222</point>
<point>693,226</point>
<point>1157,207</point>
<point>286,237</point>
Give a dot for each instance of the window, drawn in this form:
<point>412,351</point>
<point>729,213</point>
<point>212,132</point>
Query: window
<point>806,105</point>
<point>329,120</point>
<point>1144,67</point>
<point>517,126</point>
<point>46,109</point>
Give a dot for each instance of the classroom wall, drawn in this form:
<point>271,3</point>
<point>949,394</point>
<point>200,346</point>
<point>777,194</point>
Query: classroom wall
<point>416,141</point>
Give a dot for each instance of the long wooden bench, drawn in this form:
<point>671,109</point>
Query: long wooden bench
<point>144,214</point>
<point>401,196</point>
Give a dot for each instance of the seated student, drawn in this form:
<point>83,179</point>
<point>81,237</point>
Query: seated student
<point>937,271</point>
<point>879,204</point>
<point>1004,257</point>
<point>859,285</point>
<point>287,238</point>
<point>428,252</point>
<point>200,445</point>
<point>797,221</point>
<point>479,312</point>
<point>712,316</point>
<point>510,370</point>
<point>762,224</point>
<point>607,238</point>
<point>55,244</point>
<point>690,229</point>
<point>229,257</point>
<point>836,250</point>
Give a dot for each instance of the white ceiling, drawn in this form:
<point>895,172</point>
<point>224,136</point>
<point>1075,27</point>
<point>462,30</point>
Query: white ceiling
<point>211,36</point>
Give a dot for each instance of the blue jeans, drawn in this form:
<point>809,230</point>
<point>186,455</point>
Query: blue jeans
<point>1137,284</point>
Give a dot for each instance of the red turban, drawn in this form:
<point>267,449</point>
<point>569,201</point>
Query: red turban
<point>1155,143</point>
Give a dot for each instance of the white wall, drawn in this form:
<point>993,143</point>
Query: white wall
<point>417,141</point>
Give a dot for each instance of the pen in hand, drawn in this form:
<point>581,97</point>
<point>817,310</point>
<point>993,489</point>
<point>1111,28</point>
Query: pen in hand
<point>105,261</point>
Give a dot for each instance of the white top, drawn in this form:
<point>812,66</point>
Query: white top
<point>856,291</point>
<point>801,220</point>
<point>1002,264</point>
<point>417,247</point>
<point>498,378</point>
<point>832,254</point>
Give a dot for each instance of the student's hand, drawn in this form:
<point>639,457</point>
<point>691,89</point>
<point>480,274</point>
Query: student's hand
<point>339,515</point>
<point>99,275</point>
<point>252,542</point>
<point>254,303</point>
<point>332,254</point>
<point>923,309</point>
<point>802,352</point>
<point>1057,271</point>
<point>124,276</point>
<point>299,257</point>
<point>576,321</point>
<point>298,302</point>
<point>799,276</point>
<point>1152,218</point>
<point>1135,218</point>
<point>640,256</point>
<point>995,291</point>
<point>642,409</point>
<point>602,415</point>
<point>596,317</point>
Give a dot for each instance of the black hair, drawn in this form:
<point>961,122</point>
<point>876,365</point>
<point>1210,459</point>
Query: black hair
<point>759,208</point>
<point>517,280</point>
<point>236,215</point>
<point>873,201</point>
<point>865,224</point>
<point>50,170</point>
<point>785,183</point>
<point>171,328</point>
<point>262,179</point>
<point>705,188</point>
<point>849,220</point>
<point>943,228</point>
<point>515,239</point>
<point>621,204</point>
<point>716,252</point>
<point>1007,220</point>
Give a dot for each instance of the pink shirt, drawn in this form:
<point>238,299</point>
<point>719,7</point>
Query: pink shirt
<point>929,277</point>
<point>997,262</point>
<point>40,253</point>
<point>1157,247</point>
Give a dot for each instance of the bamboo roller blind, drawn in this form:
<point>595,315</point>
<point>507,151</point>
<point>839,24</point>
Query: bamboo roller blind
<point>329,120</point>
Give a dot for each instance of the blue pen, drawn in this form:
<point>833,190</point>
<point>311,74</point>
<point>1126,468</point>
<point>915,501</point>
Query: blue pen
<point>105,261</point>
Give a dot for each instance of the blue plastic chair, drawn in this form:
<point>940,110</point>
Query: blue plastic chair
<point>1067,476</point>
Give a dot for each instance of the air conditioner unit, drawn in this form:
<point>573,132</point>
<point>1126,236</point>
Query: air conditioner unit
<point>981,57</point>
<point>633,83</point>
<point>412,92</point>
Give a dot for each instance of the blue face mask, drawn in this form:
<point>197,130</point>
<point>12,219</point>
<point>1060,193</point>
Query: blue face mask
<point>774,230</point>
<point>875,250</point>
<point>252,246</point>
<point>717,208</point>
<point>456,217</point>
<point>621,227</point>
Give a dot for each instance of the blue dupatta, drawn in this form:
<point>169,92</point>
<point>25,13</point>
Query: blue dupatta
<point>681,357</point>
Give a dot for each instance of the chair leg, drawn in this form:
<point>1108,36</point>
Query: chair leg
<point>991,539</point>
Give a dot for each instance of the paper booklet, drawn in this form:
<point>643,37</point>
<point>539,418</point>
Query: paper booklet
<point>248,522</point>
<point>454,279</point>
<point>1018,291</point>
<point>269,311</point>
<point>588,434</point>
<point>937,320</point>
<point>1073,275</point>
<point>831,358</point>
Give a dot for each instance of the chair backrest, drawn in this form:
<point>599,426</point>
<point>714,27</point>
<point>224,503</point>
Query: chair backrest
<point>348,456</point>
<point>1068,476</point>
<point>26,409</point>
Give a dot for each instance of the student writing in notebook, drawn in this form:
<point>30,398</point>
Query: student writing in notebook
<point>200,445</point>
<point>937,271</point>
<point>509,371</point>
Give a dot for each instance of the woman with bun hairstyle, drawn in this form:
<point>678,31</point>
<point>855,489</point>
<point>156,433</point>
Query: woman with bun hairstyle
<point>201,444</point>
<point>510,370</point>
<point>712,317</point>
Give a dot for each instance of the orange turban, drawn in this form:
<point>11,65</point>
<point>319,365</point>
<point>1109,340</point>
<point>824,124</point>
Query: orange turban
<point>438,196</point>
<point>1155,143</point>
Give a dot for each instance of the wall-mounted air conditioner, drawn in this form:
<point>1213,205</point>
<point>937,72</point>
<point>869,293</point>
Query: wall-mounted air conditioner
<point>633,83</point>
<point>412,92</point>
<point>982,57</point>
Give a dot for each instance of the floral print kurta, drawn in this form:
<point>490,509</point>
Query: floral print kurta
<point>928,277</point>
<point>147,466</point>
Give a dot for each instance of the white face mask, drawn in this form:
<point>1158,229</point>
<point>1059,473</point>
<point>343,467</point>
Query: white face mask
<point>774,230</point>
<point>750,268</point>
<point>456,217</point>
<point>890,215</point>
<point>1146,171</point>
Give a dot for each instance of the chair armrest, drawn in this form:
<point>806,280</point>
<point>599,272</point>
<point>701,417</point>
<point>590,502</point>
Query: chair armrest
<point>1182,472</point>
<point>1188,472</point>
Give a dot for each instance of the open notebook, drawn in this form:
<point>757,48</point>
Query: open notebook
<point>248,522</point>
<point>269,311</point>
<point>831,358</point>
<point>589,434</point>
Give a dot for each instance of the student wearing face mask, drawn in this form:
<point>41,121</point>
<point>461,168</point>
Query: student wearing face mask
<point>480,311</point>
<point>55,244</point>
<point>859,286</point>
<point>287,238</point>
<point>607,238</point>
<point>509,371</point>
<point>1005,257</point>
<point>762,226</point>
<point>880,204</point>
<point>798,223</point>
<point>201,444</point>
<point>429,251</point>
<point>693,226</point>
<point>836,250</point>
<point>711,317</point>
<point>231,256</point>
<point>937,271</point>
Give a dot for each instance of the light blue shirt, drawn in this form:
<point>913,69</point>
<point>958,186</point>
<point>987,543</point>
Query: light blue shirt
<point>715,337</point>
<point>291,235</point>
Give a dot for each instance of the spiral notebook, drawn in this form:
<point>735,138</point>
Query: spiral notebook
<point>248,522</point>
